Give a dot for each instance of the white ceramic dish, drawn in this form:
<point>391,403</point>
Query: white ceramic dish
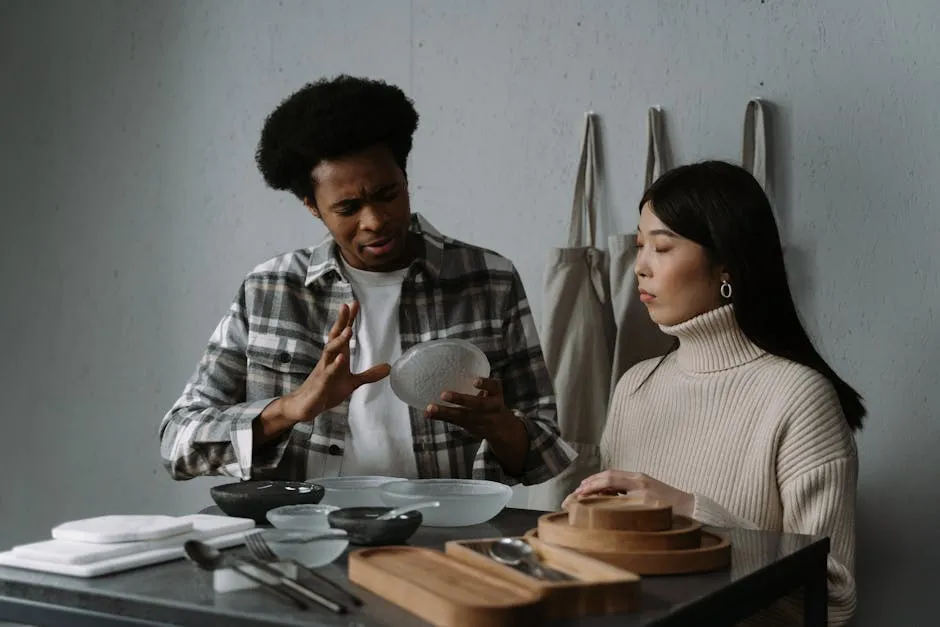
<point>310,548</point>
<point>426,370</point>
<point>219,531</point>
<point>464,502</point>
<point>353,491</point>
<point>203,526</point>
<point>121,528</point>
<point>301,517</point>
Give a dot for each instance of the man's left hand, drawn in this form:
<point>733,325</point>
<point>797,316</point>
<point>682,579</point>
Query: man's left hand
<point>481,414</point>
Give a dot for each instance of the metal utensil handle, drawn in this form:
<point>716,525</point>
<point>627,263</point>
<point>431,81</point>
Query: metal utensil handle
<point>260,550</point>
<point>270,587</point>
<point>555,575</point>
<point>547,572</point>
<point>333,606</point>
<point>537,569</point>
<point>286,581</point>
<point>352,597</point>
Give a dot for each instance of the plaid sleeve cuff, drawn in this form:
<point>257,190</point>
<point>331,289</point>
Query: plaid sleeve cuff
<point>548,454</point>
<point>247,459</point>
<point>547,457</point>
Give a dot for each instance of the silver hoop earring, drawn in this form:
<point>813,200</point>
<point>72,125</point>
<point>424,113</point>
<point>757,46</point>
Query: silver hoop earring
<point>725,289</point>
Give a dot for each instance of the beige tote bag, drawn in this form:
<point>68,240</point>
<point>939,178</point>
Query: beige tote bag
<point>578,333</point>
<point>754,155</point>
<point>638,337</point>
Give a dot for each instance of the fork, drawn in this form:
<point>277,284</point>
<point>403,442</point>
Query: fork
<point>259,549</point>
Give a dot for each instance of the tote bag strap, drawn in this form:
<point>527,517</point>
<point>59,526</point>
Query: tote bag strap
<point>754,151</point>
<point>655,153</point>
<point>585,188</point>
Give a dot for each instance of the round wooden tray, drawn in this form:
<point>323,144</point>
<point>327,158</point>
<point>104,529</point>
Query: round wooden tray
<point>713,554</point>
<point>683,534</point>
<point>620,512</point>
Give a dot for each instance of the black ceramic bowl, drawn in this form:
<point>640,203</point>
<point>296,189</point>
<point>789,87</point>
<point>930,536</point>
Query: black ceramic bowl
<point>253,499</point>
<point>363,528</point>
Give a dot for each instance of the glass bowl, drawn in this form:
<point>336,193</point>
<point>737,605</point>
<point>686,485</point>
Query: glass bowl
<point>301,517</point>
<point>352,491</point>
<point>464,502</point>
<point>428,369</point>
<point>311,548</point>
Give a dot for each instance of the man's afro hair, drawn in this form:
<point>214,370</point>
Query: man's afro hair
<point>328,119</point>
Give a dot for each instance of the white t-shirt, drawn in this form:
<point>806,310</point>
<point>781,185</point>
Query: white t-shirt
<point>378,441</point>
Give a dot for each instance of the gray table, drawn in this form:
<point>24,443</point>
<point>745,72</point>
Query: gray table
<point>765,566</point>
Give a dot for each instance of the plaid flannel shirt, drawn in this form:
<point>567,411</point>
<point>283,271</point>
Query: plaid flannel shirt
<point>274,333</point>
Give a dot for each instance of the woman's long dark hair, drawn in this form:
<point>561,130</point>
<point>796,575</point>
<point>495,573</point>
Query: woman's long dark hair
<point>724,209</point>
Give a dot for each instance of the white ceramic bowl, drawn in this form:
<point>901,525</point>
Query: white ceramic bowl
<point>464,502</point>
<point>305,547</point>
<point>353,491</point>
<point>301,517</point>
<point>428,369</point>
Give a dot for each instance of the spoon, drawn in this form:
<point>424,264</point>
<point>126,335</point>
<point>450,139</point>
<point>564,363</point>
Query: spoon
<point>404,509</point>
<point>210,558</point>
<point>513,552</point>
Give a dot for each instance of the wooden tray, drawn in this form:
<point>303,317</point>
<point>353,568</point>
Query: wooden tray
<point>685,533</point>
<point>714,553</point>
<point>441,590</point>
<point>599,589</point>
<point>620,512</point>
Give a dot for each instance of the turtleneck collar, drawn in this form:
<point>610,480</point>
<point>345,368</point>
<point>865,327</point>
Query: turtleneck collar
<point>712,342</point>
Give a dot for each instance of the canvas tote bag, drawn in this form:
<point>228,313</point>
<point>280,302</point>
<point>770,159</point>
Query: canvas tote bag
<point>578,333</point>
<point>754,154</point>
<point>638,337</point>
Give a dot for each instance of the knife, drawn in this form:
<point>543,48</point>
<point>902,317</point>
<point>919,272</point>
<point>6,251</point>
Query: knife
<point>316,597</point>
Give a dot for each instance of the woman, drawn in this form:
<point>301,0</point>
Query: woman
<point>743,424</point>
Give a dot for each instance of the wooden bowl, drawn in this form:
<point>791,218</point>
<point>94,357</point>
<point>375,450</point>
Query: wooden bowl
<point>714,553</point>
<point>684,533</point>
<point>620,512</point>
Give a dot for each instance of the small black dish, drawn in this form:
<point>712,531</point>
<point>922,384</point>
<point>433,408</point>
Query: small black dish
<point>253,499</point>
<point>363,529</point>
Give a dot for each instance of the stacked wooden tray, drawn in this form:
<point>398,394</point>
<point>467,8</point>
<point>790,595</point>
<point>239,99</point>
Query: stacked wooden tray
<point>639,536</point>
<point>464,587</point>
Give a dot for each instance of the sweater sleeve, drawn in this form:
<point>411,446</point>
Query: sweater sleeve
<point>817,476</point>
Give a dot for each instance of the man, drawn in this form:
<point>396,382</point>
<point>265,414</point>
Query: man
<point>293,382</point>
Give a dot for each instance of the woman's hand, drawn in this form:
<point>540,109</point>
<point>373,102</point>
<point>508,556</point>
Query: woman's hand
<point>633,484</point>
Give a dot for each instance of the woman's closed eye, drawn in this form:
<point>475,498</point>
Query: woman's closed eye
<point>638,246</point>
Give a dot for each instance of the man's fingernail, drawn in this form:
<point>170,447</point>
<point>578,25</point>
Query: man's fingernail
<point>447,396</point>
<point>429,409</point>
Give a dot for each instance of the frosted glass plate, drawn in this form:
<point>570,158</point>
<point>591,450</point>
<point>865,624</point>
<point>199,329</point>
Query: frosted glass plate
<point>426,370</point>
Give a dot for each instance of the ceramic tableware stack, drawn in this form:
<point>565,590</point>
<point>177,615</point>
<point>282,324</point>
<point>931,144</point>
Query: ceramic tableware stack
<point>106,544</point>
<point>644,537</point>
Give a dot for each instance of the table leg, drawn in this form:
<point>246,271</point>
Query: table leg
<point>815,597</point>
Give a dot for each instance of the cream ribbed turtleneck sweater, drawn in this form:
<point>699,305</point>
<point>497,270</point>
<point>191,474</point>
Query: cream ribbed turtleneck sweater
<point>759,440</point>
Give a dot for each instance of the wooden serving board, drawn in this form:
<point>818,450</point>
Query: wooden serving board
<point>597,589</point>
<point>620,512</point>
<point>684,533</point>
<point>441,590</point>
<point>713,553</point>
